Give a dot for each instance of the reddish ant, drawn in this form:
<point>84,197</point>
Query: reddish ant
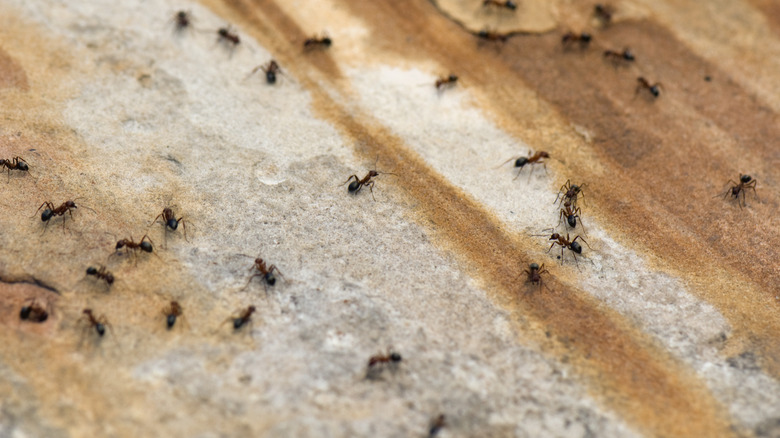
<point>267,272</point>
<point>182,20</point>
<point>170,221</point>
<point>506,4</point>
<point>358,183</point>
<point>745,182</point>
<point>619,57</point>
<point>52,211</point>
<point>33,312</point>
<point>643,84</point>
<point>98,323</point>
<point>16,163</point>
<point>571,215</point>
<point>145,244</point>
<point>446,82</point>
<point>243,318</point>
<point>316,42</point>
<point>270,70</point>
<point>436,426</point>
<point>535,272</point>
<point>227,37</point>
<point>570,192</point>
<point>603,13</point>
<point>171,312</point>
<point>572,245</point>
<point>101,273</point>
<point>570,38</point>
<point>530,159</point>
<point>374,363</point>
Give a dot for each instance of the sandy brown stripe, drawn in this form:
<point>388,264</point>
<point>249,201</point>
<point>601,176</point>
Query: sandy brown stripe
<point>632,375</point>
<point>12,75</point>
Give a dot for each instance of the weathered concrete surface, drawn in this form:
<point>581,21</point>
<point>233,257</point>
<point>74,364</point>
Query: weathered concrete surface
<point>667,326</point>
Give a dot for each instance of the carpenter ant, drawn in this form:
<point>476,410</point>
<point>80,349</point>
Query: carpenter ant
<point>506,4</point>
<point>496,37</point>
<point>316,42</point>
<point>376,362</point>
<point>535,272</point>
<point>446,82</point>
<point>33,312</point>
<point>572,245</point>
<point>52,211</point>
<point>170,221</point>
<point>182,20</point>
<point>617,57</point>
<point>745,182</point>
<point>643,84</point>
<point>530,159</point>
<point>571,215</point>
<point>98,323</point>
<point>101,273</point>
<point>603,13</point>
<point>226,36</point>
<point>16,163</point>
<point>171,312</point>
<point>244,318</point>
<point>144,245</point>
<point>358,183</point>
<point>570,192</point>
<point>436,426</point>
<point>570,38</point>
<point>267,272</point>
<point>270,70</point>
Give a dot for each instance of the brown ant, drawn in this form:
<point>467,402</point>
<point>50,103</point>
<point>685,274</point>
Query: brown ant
<point>506,4</point>
<point>745,182</point>
<point>171,312</point>
<point>98,323</point>
<point>101,273</point>
<point>564,242</point>
<point>570,38</point>
<point>170,221</point>
<point>377,362</point>
<point>33,312</point>
<point>618,57</point>
<point>436,426</point>
<point>571,215</point>
<point>52,211</point>
<point>358,183</point>
<point>643,84</point>
<point>267,272</point>
<point>316,42</point>
<point>603,13</point>
<point>270,70</point>
<point>227,37</point>
<point>570,192</point>
<point>243,318</point>
<point>446,82</point>
<point>16,163</point>
<point>145,244</point>
<point>182,20</point>
<point>535,272</point>
<point>530,159</point>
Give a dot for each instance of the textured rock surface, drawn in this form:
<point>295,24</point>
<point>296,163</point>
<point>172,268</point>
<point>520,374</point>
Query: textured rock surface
<point>667,326</point>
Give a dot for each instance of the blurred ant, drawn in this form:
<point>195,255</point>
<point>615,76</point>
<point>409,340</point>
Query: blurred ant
<point>570,192</point>
<point>603,13</point>
<point>506,4</point>
<point>16,163</point>
<point>101,273</point>
<point>265,271</point>
<point>227,37</point>
<point>170,221</point>
<point>145,245</point>
<point>270,70</point>
<point>316,42</point>
<point>242,319</point>
<point>358,183</point>
<point>171,312</point>
<point>446,82</point>
<point>436,426</point>
<point>379,361</point>
<point>535,272</point>
<point>619,57</point>
<point>98,323</point>
<point>530,159</point>
<point>745,182</point>
<point>489,36</point>
<point>643,84</point>
<point>571,38</point>
<point>571,215</point>
<point>182,20</point>
<point>572,245</point>
<point>33,312</point>
<point>52,211</point>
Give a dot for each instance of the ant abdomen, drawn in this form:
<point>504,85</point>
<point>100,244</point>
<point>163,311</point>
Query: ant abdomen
<point>170,320</point>
<point>269,277</point>
<point>572,220</point>
<point>522,161</point>
<point>353,186</point>
<point>172,224</point>
<point>46,215</point>
<point>576,247</point>
<point>146,246</point>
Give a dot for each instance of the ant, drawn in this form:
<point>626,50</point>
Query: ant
<point>244,318</point>
<point>170,221</point>
<point>617,57</point>
<point>171,312</point>
<point>102,273</point>
<point>572,245</point>
<point>496,37</point>
<point>506,4</point>
<point>358,183</point>
<point>51,211</point>
<point>267,272</point>
<point>270,70</point>
<point>745,182</point>
<point>603,13</point>
<point>570,192</point>
<point>446,82</point>
<point>98,323</point>
<point>317,42</point>
<point>571,215</point>
<point>436,426</point>
<point>33,312</point>
<point>374,363</point>
<point>227,37</point>
<point>16,163</point>
<point>535,272</point>
<point>144,245</point>
<point>182,20</point>
<point>569,38</point>
<point>643,84</point>
<point>530,159</point>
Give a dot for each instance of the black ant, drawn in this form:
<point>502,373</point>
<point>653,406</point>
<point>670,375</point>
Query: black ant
<point>643,84</point>
<point>745,182</point>
<point>572,245</point>
<point>182,20</point>
<point>535,272</point>
<point>603,13</point>
<point>358,183</point>
<point>98,323</point>
<point>571,215</point>
<point>33,312</point>
<point>270,70</point>
<point>265,271</point>
<point>144,245</point>
<point>170,221</point>
<point>317,42</point>
<point>16,163</point>
<point>244,318</point>
<point>376,362</point>
<point>570,192</point>
<point>226,36</point>
<point>52,211</point>
<point>436,426</point>
<point>506,4</point>
<point>171,312</point>
<point>101,273</point>
<point>535,158</point>
<point>617,57</point>
<point>570,38</point>
<point>446,82</point>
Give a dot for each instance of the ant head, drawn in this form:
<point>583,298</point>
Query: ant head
<point>576,247</point>
<point>534,266</point>
<point>120,244</point>
<point>46,215</point>
<point>744,179</point>
<point>70,204</point>
<point>270,279</point>
<point>87,311</point>
<point>555,236</point>
<point>172,223</point>
<point>544,154</point>
<point>146,246</point>
<point>91,270</point>
<point>250,309</point>
<point>395,357</point>
<point>353,186</point>
<point>520,162</point>
<point>109,278</point>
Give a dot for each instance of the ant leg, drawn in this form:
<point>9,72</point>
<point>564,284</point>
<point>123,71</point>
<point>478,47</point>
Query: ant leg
<point>184,226</point>
<point>273,268</point>
<point>350,179</point>
<point>250,280</point>
<point>518,174</point>
<point>513,158</point>
<point>551,247</point>
<point>155,219</point>
<point>48,204</point>
<point>370,185</point>
<point>580,237</point>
